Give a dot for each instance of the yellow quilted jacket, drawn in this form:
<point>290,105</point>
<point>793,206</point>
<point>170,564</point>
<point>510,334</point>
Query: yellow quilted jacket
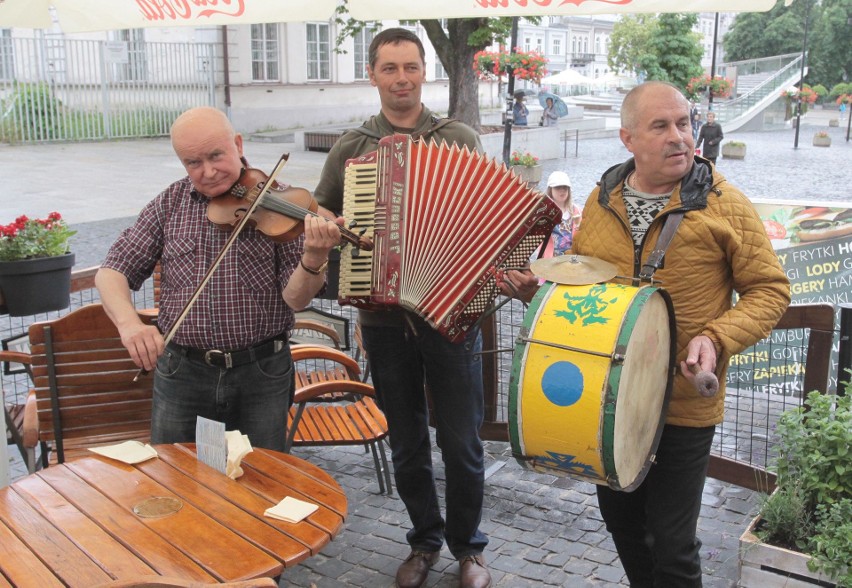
<point>720,248</point>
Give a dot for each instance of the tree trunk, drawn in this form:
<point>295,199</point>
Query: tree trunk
<point>456,55</point>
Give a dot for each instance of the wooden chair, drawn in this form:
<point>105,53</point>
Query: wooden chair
<point>349,415</point>
<point>84,388</point>
<point>16,414</point>
<point>167,582</point>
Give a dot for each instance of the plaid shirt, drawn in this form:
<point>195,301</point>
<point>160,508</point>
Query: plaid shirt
<point>242,303</point>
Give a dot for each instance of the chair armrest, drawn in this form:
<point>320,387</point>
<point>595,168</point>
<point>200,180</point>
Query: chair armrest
<point>311,391</point>
<point>29,431</point>
<point>321,328</point>
<point>304,352</point>
<point>16,357</point>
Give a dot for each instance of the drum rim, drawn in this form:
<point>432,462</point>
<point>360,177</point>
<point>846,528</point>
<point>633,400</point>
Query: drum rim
<point>609,462</point>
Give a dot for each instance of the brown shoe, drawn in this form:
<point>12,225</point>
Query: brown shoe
<point>474,574</point>
<point>413,571</point>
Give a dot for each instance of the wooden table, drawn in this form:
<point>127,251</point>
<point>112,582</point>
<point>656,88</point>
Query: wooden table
<point>74,524</point>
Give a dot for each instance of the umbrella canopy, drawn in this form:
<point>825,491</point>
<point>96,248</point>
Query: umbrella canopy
<point>559,105</point>
<point>74,16</point>
<point>569,77</point>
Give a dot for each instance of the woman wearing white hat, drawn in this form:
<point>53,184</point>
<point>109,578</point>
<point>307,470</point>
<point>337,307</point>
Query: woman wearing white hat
<point>559,190</point>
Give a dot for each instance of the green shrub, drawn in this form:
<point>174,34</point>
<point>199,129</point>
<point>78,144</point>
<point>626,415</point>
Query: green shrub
<point>811,508</point>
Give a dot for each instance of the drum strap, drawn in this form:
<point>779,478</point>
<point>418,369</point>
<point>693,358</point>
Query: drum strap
<point>655,259</point>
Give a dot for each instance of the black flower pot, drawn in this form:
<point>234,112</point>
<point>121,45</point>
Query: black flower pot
<point>34,286</point>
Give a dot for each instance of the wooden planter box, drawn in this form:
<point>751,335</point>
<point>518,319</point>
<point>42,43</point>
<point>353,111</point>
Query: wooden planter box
<point>822,141</point>
<point>767,566</point>
<point>733,151</point>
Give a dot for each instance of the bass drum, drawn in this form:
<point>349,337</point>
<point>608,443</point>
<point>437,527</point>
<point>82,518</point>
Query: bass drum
<point>591,381</point>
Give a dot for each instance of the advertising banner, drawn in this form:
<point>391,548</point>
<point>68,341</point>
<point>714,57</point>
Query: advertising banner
<point>814,245</point>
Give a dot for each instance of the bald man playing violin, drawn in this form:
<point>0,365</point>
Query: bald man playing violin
<point>229,360</point>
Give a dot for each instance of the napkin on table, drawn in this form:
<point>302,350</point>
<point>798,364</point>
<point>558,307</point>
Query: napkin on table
<point>128,452</point>
<point>291,510</point>
<point>238,447</point>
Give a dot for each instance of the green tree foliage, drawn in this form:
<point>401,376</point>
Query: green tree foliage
<point>830,47</point>
<point>781,31</point>
<point>674,50</point>
<point>629,41</point>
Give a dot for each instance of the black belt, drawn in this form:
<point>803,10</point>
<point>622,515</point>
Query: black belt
<point>232,359</point>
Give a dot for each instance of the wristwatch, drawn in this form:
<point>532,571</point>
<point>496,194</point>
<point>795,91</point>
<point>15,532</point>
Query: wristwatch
<point>314,272</point>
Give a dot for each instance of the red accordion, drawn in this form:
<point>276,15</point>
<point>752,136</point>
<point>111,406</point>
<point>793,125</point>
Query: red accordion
<point>444,221</point>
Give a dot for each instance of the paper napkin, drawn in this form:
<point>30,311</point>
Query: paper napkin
<point>291,510</point>
<point>129,452</point>
<point>238,447</point>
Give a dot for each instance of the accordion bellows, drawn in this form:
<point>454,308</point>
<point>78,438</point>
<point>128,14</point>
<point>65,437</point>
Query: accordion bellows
<point>444,221</point>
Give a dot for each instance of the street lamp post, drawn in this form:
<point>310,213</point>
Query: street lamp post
<point>802,76</point>
<point>510,89</point>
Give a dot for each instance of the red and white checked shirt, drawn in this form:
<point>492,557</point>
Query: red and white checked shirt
<point>241,305</point>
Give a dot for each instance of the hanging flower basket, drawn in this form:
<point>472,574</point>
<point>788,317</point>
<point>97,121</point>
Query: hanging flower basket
<point>34,286</point>
<point>719,87</point>
<point>524,65</point>
<point>35,265</point>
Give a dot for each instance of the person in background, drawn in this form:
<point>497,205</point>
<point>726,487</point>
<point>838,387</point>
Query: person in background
<point>711,136</point>
<point>520,110</point>
<point>695,118</point>
<point>406,353</point>
<point>561,238</point>
<point>719,248</point>
<point>229,361</point>
<point>549,116</point>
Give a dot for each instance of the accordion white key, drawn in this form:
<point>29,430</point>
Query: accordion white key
<point>444,221</point>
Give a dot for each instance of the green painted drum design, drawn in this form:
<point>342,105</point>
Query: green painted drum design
<point>591,380</point>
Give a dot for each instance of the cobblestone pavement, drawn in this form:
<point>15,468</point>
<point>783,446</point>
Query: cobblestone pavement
<point>543,530</point>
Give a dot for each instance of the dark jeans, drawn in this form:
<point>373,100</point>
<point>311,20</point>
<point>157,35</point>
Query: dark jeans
<point>253,398</point>
<point>654,526</point>
<point>400,359</point>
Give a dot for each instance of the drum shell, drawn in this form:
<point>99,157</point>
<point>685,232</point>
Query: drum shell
<point>592,374</point>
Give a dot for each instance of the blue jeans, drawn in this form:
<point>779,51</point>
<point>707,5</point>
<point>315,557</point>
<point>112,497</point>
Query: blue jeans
<point>401,361</point>
<point>253,398</point>
<point>654,527</point>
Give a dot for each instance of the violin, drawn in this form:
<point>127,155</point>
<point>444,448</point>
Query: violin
<point>279,215</point>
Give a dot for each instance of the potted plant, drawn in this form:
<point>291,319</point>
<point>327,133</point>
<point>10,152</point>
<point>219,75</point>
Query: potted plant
<point>526,166</point>
<point>804,528</point>
<point>822,139</point>
<point>35,265</point>
<point>734,150</point>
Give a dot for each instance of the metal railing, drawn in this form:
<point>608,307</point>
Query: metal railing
<point>731,109</point>
<point>57,89</point>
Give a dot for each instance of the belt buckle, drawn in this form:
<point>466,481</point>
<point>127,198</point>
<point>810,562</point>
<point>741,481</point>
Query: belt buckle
<point>209,355</point>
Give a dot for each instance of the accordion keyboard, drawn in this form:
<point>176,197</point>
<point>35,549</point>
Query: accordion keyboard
<point>359,208</point>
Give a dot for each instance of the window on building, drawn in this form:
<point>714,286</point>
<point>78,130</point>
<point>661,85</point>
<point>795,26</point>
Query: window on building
<point>539,45</point>
<point>527,44</point>
<point>136,66</point>
<point>362,39</point>
<point>7,55</point>
<point>408,23</point>
<point>556,48</point>
<point>319,52</point>
<point>440,72</point>
<point>264,53</point>
<point>573,45</point>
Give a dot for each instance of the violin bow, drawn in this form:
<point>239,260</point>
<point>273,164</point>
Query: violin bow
<point>221,255</point>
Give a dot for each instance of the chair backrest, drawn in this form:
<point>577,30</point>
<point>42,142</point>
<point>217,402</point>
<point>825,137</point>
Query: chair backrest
<point>84,382</point>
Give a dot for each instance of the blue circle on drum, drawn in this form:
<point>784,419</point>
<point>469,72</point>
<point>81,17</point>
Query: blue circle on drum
<point>562,383</point>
